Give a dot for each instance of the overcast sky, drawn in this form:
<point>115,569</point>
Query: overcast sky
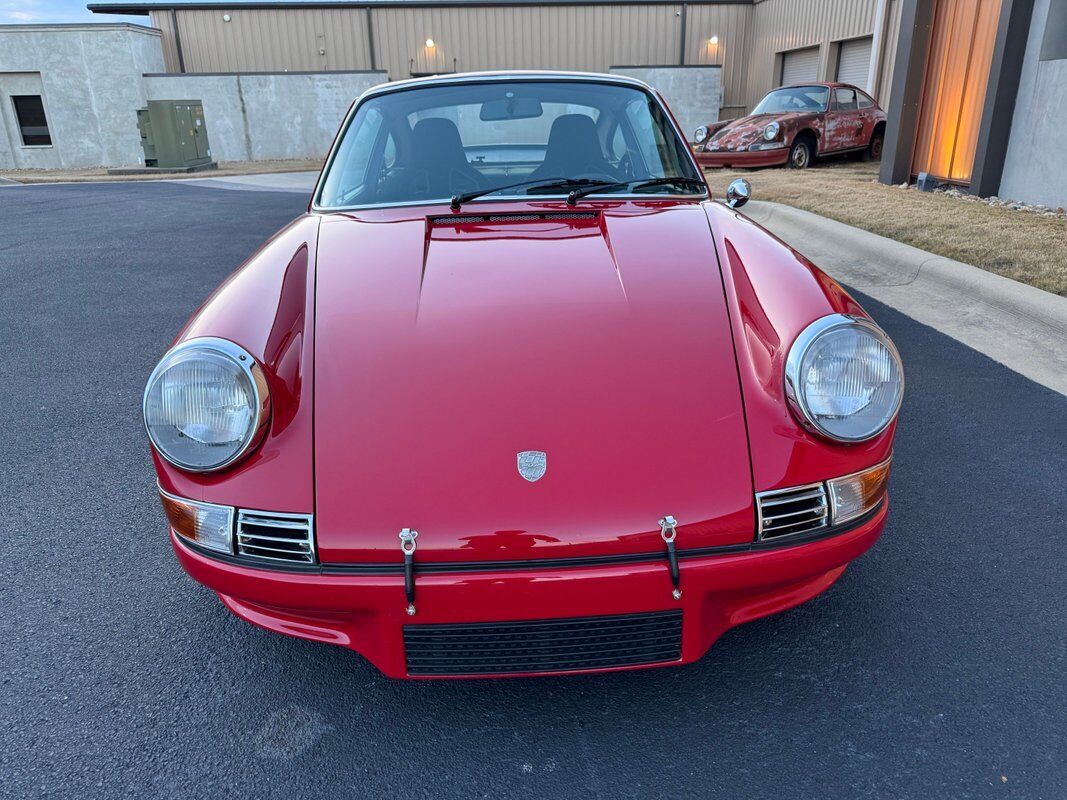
<point>28,12</point>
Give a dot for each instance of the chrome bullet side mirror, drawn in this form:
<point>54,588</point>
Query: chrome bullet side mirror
<point>738,193</point>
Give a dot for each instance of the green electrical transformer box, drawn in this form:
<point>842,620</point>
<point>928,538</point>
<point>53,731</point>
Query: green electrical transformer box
<point>174,134</point>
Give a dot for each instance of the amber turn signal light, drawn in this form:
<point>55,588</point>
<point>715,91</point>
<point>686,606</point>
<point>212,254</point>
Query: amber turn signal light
<point>206,524</point>
<point>854,495</point>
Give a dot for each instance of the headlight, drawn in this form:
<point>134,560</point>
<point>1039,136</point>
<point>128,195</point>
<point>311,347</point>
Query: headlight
<point>844,379</point>
<point>701,134</point>
<point>770,133</point>
<point>206,404</point>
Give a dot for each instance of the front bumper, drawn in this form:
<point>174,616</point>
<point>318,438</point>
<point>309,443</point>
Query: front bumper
<point>366,612</point>
<point>743,158</point>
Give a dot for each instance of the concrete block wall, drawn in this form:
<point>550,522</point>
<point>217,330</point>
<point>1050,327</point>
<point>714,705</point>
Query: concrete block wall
<point>694,94</point>
<point>89,77</point>
<point>1035,168</point>
<point>261,116</point>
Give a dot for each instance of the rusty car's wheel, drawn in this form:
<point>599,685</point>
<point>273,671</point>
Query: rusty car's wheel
<point>800,154</point>
<point>874,148</point>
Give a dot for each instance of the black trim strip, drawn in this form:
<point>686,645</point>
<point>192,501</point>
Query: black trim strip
<point>439,567</point>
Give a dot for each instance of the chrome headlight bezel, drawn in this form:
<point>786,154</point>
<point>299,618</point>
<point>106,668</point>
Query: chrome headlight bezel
<point>252,372</point>
<point>700,134</point>
<point>795,359</point>
<point>770,133</point>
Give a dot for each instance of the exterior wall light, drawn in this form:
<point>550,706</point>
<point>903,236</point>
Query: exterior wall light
<point>429,43</point>
<point>225,17</point>
<point>714,40</point>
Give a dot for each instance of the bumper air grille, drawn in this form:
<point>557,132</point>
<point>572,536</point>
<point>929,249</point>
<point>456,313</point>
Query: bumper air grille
<point>787,512</point>
<point>555,645</point>
<point>276,537</point>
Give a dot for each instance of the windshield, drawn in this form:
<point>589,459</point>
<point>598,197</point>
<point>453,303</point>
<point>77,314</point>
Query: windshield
<point>796,98</point>
<point>436,142</point>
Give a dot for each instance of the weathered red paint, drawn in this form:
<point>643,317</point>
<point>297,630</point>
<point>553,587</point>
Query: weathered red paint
<point>409,361</point>
<point>832,130</point>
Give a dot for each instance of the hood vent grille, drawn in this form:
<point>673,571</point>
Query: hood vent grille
<point>482,219</point>
<point>787,512</point>
<point>275,536</point>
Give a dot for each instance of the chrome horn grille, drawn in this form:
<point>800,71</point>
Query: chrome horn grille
<point>787,512</point>
<point>276,537</point>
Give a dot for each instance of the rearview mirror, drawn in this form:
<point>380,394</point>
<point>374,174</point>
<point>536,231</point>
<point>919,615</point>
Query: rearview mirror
<point>511,108</point>
<point>738,193</point>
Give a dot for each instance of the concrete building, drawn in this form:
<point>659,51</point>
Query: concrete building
<point>758,43</point>
<point>275,78</point>
<point>980,98</point>
<point>55,112</point>
<point>975,89</point>
<point>69,96</point>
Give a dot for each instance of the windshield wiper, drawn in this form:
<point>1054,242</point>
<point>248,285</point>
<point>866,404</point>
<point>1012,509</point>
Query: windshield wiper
<point>633,185</point>
<point>542,183</point>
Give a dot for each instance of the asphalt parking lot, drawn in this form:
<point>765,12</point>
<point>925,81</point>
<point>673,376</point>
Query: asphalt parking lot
<point>933,669</point>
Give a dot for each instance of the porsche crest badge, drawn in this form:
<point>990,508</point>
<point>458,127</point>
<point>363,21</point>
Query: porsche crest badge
<point>532,464</point>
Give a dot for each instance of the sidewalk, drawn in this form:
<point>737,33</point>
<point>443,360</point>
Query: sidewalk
<point>100,175</point>
<point>300,182</point>
<point>1017,325</point>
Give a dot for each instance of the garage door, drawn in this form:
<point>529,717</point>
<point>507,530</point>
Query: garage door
<point>854,62</point>
<point>800,66</point>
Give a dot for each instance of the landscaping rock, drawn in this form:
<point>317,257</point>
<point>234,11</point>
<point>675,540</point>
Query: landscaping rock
<point>999,202</point>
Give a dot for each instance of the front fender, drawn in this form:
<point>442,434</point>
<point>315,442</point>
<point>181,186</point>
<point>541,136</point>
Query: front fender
<point>267,306</point>
<point>773,293</point>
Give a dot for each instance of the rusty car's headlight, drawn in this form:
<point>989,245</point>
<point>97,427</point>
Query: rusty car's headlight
<point>206,404</point>
<point>770,133</point>
<point>844,379</point>
<point>700,134</point>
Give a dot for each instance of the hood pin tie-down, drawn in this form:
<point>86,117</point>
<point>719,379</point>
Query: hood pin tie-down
<point>407,546</point>
<point>668,529</point>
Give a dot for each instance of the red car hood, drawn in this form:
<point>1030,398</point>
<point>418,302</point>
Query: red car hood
<point>743,132</point>
<point>444,350</point>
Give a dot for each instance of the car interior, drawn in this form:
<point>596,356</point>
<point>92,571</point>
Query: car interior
<point>431,143</point>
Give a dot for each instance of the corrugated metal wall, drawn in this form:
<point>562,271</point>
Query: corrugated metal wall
<point>561,37</point>
<point>781,25</point>
<point>162,20</point>
<point>889,53</point>
<point>749,38</point>
<point>728,24</point>
<point>266,40</point>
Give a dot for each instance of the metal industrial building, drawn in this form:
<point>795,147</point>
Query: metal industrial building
<point>976,90</point>
<point>759,43</point>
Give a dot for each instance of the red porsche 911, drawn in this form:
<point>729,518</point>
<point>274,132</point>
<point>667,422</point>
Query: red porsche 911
<point>516,396</point>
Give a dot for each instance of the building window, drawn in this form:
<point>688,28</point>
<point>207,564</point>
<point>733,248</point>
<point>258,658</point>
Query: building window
<point>29,111</point>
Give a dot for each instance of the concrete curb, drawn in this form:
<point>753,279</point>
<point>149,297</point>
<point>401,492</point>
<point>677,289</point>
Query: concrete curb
<point>1017,325</point>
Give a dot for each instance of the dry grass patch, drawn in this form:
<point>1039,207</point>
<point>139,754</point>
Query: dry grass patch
<point>1022,245</point>
<point>225,168</point>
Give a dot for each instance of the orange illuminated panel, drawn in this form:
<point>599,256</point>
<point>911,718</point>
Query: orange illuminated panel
<point>957,72</point>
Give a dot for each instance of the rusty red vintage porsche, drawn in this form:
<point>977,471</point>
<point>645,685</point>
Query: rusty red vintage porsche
<point>793,125</point>
<point>516,396</point>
